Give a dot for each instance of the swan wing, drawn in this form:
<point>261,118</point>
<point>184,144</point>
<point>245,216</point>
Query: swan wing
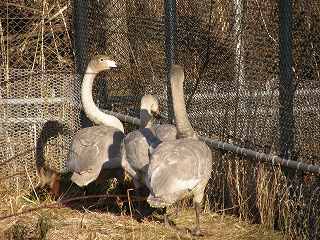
<point>93,148</point>
<point>178,166</point>
<point>136,146</point>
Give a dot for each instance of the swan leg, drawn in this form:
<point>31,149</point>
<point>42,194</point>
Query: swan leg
<point>141,208</point>
<point>138,194</point>
<point>196,231</point>
<point>198,196</point>
<point>166,218</point>
<point>177,210</point>
<point>139,205</point>
<point>167,221</point>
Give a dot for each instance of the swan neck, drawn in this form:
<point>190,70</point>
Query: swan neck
<point>146,120</point>
<point>184,128</point>
<point>90,108</point>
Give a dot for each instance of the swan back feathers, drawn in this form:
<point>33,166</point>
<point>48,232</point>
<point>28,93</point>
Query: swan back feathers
<point>178,166</point>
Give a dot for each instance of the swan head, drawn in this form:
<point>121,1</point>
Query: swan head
<point>100,63</point>
<point>150,104</point>
<point>149,109</point>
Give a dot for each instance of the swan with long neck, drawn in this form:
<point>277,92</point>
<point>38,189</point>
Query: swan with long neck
<point>181,167</point>
<point>184,128</point>
<point>100,146</point>
<point>96,65</point>
<point>140,144</point>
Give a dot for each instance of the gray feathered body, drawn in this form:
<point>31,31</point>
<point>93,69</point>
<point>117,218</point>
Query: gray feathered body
<point>165,132</point>
<point>140,143</point>
<point>137,152</point>
<point>95,148</point>
<point>177,169</point>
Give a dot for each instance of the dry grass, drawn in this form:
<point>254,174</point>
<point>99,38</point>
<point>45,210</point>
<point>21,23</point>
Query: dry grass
<point>239,194</point>
<point>263,194</point>
<point>36,35</point>
<point>65,223</point>
<point>108,218</point>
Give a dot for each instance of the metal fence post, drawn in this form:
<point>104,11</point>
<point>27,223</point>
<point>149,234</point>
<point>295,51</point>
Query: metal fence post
<point>286,84</point>
<point>171,26</point>
<point>81,41</point>
<point>80,26</point>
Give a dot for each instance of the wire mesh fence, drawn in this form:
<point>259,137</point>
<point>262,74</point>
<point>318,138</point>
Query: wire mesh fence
<point>230,51</point>
<point>37,79</point>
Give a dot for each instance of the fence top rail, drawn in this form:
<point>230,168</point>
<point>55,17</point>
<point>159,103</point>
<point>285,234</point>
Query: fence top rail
<point>250,154</point>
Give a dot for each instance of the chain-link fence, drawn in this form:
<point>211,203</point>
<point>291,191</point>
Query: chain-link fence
<point>230,51</point>
<point>37,83</point>
<point>234,90</point>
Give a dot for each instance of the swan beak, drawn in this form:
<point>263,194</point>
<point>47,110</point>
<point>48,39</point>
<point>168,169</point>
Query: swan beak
<point>112,64</point>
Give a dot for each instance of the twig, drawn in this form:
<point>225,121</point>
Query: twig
<point>29,178</point>
<point>2,43</point>
<point>43,66</point>
<point>57,13</point>
<point>206,62</point>
<point>64,22</point>
<point>35,55</point>
<point>129,200</point>
<point>7,47</point>
<point>264,23</point>
<point>53,37</point>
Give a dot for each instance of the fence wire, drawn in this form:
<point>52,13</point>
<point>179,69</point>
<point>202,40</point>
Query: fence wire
<point>230,51</point>
<point>37,85</point>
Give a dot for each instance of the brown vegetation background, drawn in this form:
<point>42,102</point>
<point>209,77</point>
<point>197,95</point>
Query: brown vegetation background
<point>39,83</point>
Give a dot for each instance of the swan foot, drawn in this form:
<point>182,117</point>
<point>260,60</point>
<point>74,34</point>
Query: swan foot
<point>176,211</point>
<point>197,232</point>
<point>162,216</point>
<point>141,206</point>
<point>166,220</point>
